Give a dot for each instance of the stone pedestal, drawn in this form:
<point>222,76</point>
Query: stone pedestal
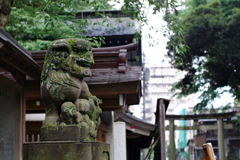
<point>66,150</point>
<point>71,142</point>
<point>66,133</point>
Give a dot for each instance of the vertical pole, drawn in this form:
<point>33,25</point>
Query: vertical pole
<point>221,149</point>
<point>144,90</point>
<point>21,79</point>
<point>162,129</point>
<point>144,99</point>
<point>172,139</point>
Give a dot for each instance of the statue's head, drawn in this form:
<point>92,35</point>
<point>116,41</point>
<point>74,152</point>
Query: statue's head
<point>72,55</point>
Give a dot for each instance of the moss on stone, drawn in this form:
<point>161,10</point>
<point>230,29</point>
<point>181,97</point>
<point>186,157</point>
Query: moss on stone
<point>60,71</point>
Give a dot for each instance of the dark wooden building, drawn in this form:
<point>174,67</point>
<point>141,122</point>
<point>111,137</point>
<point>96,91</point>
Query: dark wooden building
<point>15,65</point>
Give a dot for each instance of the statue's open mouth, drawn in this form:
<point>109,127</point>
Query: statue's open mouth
<point>84,62</point>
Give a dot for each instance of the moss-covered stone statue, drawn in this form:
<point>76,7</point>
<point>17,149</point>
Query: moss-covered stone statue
<point>66,96</point>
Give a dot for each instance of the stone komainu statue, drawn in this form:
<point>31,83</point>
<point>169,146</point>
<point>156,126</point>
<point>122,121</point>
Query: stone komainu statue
<point>65,94</point>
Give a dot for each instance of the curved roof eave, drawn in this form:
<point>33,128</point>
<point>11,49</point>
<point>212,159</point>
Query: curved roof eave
<point>17,57</point>
<point>119,116</point>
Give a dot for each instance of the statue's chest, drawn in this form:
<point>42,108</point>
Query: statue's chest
<point>63,86</point>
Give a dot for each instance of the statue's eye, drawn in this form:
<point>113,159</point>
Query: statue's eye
<point>65,54</point>
<point>77,49</point>
<point>60,49</point>
<point>55,60</point>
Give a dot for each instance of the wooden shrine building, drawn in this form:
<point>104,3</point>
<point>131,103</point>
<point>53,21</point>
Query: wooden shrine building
<point>113,81</point>
<point>15,65</point>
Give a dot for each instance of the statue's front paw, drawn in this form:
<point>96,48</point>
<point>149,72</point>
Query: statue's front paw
<point>63,124</point>
<point>96,100</point>
<point>98,112</point>
<point>83,105</point>
<point>86,118</point>
<point>68,109</point>
<point>78,117</point>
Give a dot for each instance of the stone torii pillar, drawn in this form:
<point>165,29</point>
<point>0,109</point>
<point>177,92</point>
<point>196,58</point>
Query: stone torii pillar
<point>221,149</point>
<point>219,127</point>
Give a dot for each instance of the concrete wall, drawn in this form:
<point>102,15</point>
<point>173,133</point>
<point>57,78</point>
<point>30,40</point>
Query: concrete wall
<point>120,152</point>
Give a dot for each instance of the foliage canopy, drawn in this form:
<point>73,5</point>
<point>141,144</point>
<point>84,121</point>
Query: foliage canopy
<point>210,30</point>
<point>35,23</point>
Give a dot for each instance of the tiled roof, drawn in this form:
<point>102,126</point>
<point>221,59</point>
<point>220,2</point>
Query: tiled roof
<point>111,75</point>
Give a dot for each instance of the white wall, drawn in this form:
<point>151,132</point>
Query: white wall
<point>120,147</point>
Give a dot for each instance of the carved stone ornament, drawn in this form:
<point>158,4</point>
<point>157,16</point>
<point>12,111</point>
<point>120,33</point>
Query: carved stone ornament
<point>66,96</point>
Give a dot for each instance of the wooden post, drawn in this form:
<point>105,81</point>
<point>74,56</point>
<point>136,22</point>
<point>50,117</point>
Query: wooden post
<point>221,149</point>
<point>21,79</point>
<point>208,151</point>
<point>162,129</point>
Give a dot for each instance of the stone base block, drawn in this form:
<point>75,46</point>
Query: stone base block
<point>66,151</point>
<point>66,133</point>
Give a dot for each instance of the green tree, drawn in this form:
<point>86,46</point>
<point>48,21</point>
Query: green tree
<point>210,30</point>
<point>35,23</point>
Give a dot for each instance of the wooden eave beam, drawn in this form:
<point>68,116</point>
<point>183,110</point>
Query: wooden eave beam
<point>98,89</point>
<point>13,54</point>
<point>201,127</point>
<point>115,88</point>
<point>107,105</point>
<point>110,102</point>
<point>20,66</point>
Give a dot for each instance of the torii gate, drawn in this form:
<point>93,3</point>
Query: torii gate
<point>219,127</point>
